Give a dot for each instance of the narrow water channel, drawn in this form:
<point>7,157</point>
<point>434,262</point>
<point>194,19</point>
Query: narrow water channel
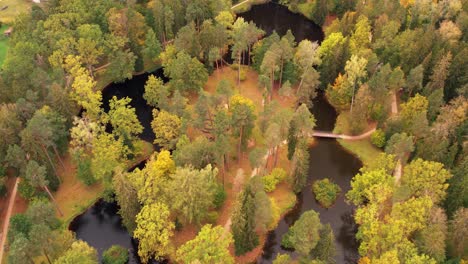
<point>101,226</point>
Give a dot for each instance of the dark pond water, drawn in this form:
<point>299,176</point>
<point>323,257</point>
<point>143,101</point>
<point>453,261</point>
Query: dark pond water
<point>101,226</point>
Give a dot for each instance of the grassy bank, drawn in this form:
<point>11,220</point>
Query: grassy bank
<point>14,8</point>
<point>363,148</point>
<point>74,197</point>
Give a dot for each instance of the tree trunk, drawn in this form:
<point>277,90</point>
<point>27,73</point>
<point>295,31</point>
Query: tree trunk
<point>51,163</point>
<point>53,200</point>
<point>248,58</point>
<point>58,157</point>
<point>267,158</point>
<point>239,69</point>
<point>223,169</point>
<point>239,153</point>
<point>46,255</point>
<point>352,100</point>
<point>281,73</point>
<point>276,156</point>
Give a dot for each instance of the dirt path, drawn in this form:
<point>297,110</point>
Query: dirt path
<point>394,104</point>
<point>6,224</point>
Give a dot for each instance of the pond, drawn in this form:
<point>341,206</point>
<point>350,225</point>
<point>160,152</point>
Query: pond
<point>101,227</point>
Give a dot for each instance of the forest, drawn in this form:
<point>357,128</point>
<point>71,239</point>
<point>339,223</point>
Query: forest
<point>216,153</point>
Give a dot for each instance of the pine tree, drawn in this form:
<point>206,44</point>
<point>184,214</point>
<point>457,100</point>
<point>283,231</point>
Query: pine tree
<point>243,223</point>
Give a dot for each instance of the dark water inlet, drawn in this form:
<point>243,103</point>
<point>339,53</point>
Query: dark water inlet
<point>101,226</point>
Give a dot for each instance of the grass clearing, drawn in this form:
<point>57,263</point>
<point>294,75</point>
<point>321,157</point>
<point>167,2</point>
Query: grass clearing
<point>363,148</point>
<point>3,43</point>
<point>14,8</point>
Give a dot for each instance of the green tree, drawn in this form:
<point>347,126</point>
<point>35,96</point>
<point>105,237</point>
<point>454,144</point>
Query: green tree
<point>152,46</point>
<point>127,198</point>
<point>304,235</point>
<point>193,192</point>
<point>243,115</point>
<point>333,52</point>
<point>186,73</point>
<point>400,145</point>
<point>300,170</point>
<point>80,252</point>
<point>115,255</point>
<point>36,175</point>
<point>153,179</point>
<point>166,127</point>
<point>198,153</point>
<point>243,222</point>
<point>458,233</point>
<point>426,178</point>
<point>154,230</point>
<point>123,118</point>
<point>209,246</point>
<point>325,250</point>
<point>413,115</point>
<point>156,93</point>
<point>107,154</point>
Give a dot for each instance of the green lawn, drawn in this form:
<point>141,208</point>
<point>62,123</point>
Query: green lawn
<point>3,44</point>
<point>15,7</point>
<point>362,148</point>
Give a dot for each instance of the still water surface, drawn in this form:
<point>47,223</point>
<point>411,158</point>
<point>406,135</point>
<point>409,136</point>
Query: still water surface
<point>101,226</point>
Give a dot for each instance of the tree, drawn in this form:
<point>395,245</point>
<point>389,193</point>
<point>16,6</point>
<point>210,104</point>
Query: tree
<point>361,37</point>
<point>153,179</point>
<point>115,255</point>
<point>166,127</point>
<point>154,230</point>
<point>426,178</point>
<point>243,222</point>
<point>80,252</point>
<point>432,239</point>
<point>355,71</point>
<point>89,45</point>
<point>459,232</point>
<point>152,46</point>
<point>197,154</point>
<point>414,80</point>
<point>282,259</point>
<point>400,145</point>
<point>107,154</point>
<point>240,40</point>
<point>127,198</point>
<point>209,246</point>
<point>20,250</point>
<point>186,73</point>
<point>413,115</point>
<point>83,87</point>
<point>123,119</point>
<point>325,250</point>
<point>243,115</point>
<point>365,185</point>
<point>156,93</point>
<point>304,235</point>
<point>36,175</point>
<point>332,51</point>
<point>300,170</point>
<point>193,192</point>
<point>306,57</point>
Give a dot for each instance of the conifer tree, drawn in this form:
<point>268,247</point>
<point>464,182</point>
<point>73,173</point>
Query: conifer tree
<point>243,223</point>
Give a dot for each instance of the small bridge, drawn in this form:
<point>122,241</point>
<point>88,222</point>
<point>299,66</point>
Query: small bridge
<point>324,134</point>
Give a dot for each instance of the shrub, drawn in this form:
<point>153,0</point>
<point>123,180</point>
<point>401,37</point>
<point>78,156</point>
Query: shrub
<point>326,192</point>
<point>378,138</point>
<point>219,197</point>
<point>26,190</point>
<point>243,74</point>
<point>270,181</point>
<point>115,255</point>
<point>212,217</point>
<point>84,172</point>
